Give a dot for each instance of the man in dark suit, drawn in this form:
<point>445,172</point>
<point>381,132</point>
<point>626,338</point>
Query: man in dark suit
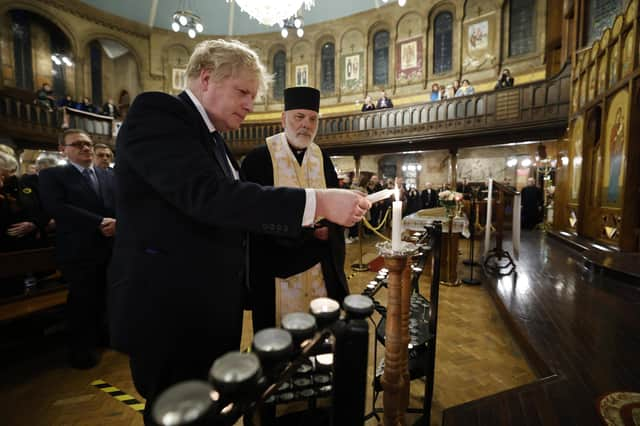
<point>315,260</point>
<point>177,279</point>
<point>429,197</point>
<point>80,198</point>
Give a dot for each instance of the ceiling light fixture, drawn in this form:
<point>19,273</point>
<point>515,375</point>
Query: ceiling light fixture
<point>185,19</point>
<point>271,12</point>
<point>292,23</point>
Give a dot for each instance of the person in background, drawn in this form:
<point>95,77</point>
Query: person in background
<point>449,92</point>
<point>429,197</point>
<point>532,201</point>
<point>67,101</point>
<point>455,84</point>
<point>384,101</point>
<point>110,109</point>
<point>24,217</point>
<point>505,80</point>
<point>103,156</point>
<point>376,210</point>
<point>45,97</point>
<point>86,105</point>
<point>81,200</point>
<point>435,92</point>
<point>314,263</point>
<point>368,104</point>
<point>466,89</point>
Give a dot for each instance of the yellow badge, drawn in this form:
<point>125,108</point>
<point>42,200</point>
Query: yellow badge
<point>26,191</point>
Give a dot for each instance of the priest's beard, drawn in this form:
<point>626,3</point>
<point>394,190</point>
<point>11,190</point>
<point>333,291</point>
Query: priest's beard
<point>299,139</point>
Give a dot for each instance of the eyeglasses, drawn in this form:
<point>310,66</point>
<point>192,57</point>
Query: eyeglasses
<point>80,144</point>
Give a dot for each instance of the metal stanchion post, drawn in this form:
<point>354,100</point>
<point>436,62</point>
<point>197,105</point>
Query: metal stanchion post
<point>360,267</point>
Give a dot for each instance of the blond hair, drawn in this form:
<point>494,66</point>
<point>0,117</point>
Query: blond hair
<point>7,150</point>
<point>226,59</point>
<point>8,163</point>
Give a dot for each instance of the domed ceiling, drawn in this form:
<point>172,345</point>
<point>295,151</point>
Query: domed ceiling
<point>222,18</point>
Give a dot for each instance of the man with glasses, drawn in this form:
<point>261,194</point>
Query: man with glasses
<point>80,198</point>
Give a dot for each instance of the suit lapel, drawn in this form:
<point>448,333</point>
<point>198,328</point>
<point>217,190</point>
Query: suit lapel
<point>207,139</point>
<point>77,176</point>
<point>205,136</point>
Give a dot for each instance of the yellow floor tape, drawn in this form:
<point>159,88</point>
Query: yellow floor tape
<point>119,395</point>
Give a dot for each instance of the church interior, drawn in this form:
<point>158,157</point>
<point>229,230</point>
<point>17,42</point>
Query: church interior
<point>524,112</point>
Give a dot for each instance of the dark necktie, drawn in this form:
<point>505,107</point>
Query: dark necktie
<point>221,153</point>
<point>92,180</point>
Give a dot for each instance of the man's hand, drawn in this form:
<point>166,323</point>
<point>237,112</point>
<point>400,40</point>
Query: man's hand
<point>341,206</point>
<point>321,233</point>
<point>108,227</point>
<point>20,229</point>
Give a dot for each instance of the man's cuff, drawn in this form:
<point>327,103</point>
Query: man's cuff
<point>309,207</point>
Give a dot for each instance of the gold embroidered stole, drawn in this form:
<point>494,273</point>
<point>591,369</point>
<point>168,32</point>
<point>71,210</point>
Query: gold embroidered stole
<point>294,293</point>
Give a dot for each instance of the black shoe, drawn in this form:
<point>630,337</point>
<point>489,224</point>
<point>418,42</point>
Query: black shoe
<point>84,360</point>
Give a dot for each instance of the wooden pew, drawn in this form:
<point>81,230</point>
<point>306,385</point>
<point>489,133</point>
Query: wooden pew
<point>45,295</point>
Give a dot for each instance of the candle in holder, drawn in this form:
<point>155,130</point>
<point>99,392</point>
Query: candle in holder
<point>396,221</point>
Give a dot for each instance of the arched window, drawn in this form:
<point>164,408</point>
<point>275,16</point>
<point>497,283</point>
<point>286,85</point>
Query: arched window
<point>95,53</point>
<point>521,27</point>
<point>22,49</point>
<point>327,68</point>
<point>442,42</point>
<point>599,14</point>
<point>280,74</point>
<point>381,58</point>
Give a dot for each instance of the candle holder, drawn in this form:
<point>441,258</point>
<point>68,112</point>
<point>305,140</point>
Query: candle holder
<point>395,378</point>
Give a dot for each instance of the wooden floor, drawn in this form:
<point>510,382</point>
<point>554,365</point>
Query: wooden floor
<point>476,357</point>
<point>580,330</point>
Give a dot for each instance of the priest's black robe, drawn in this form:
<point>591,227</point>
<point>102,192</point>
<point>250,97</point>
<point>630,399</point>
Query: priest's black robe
<point>272,257</point>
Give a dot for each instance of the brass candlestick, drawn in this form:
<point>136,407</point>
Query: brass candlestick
<point>395,378</point>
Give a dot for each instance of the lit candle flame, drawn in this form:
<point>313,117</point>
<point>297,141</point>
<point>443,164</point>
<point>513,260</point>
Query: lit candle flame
<point>396,193</point>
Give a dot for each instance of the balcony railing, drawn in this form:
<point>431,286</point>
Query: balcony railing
<point>34,125</point>
<point>536,106</point>
<point>536,110</point>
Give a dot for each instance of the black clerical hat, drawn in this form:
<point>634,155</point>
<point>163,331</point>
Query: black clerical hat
<point>301,98</point>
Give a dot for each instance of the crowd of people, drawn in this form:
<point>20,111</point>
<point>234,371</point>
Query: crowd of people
<point>47,99</point>
<point>441,92</point>
<point>174,300</point>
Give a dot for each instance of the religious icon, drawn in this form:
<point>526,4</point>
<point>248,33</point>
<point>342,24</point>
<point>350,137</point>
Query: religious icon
<point>616,157</point>
<point>179,78</point>
<point>627,54</point>
<point>408,55</point>
<point>352,65</point>
<point>613,64</point>
<point>301,75</point>
<point>479,35</point>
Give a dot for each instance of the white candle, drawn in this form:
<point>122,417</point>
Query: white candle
<point>396,222</point>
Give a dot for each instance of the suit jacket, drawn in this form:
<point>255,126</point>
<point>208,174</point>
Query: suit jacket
<point>176,281</point>
<point>429,198</point>
<point>78,211</point>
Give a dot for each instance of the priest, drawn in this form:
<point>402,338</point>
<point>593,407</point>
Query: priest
<point>286,274</point>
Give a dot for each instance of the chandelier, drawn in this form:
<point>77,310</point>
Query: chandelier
<point>185,19</point>
<point>270,12</point>
<point>293,23</point>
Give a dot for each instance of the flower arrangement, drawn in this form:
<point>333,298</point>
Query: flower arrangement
<point>449,200</point>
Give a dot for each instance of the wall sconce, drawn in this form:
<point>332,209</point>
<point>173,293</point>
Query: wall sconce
<point>511,162</point>
<point>60,59</point>
<point>526,162</point>
<point>564,160</point>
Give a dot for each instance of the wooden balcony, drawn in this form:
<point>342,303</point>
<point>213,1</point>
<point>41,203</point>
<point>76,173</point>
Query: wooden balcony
<point>31,126</point>
<point>533,111</point>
